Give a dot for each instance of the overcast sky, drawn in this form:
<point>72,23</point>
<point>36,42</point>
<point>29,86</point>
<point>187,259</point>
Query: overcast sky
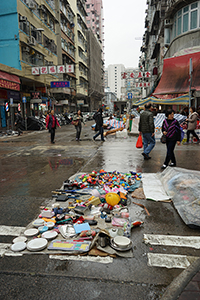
<point>124,23</point>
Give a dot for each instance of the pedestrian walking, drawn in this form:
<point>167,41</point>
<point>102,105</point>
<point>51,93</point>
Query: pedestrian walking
<point>99,124</point>
<point>171,129</point>
<point>51,125</point>
<point>192,123</point>
<point>18,122</point>
<point>78,119</point>
<point>146,127</point>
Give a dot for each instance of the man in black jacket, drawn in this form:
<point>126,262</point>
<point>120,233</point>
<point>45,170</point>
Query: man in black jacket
<point>146,127</point>
<point>99,124</point>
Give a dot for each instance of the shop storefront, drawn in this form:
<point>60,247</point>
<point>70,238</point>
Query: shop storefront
<point>9,98</point>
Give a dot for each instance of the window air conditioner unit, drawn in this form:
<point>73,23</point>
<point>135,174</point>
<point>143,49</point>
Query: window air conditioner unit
<point>32,41</point>
<point>43,8</point>
<point>26,49</point>
<point>168,22</point>
<point>146,11</point>
<point>31,4</point>
<point>22,19</point>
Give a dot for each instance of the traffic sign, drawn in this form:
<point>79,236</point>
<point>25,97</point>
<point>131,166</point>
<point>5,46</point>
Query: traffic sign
<point>130,95</point>
<point>24,99</point>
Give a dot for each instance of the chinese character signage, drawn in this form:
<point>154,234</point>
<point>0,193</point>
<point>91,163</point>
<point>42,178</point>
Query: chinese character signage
<point>35,71</point>
<point>60,84</point>
<point>141,84</point>
<point>70,68</point>
<point>52,70</point>
<point>135,75</point>
<point>9,85</point>
<point>44,70</point>
<point>35,95</point>
<point>60,69</point>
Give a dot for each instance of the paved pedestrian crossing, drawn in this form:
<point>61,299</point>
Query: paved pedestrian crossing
<point>171,260</point>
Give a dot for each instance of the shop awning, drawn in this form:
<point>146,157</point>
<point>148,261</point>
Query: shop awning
<point>175,76</point>
<point>9,77</point>
<point>184,100</point>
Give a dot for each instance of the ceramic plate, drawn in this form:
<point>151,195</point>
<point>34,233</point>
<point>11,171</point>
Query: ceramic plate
<point>42,229</point>
<point>37,244</point>
<point>122,241</point>
<point>20,239</point>
<point>50,225</point>
<point>49,235</point>
<point>20,246</point>
<point>31,232</point>
<point>115,247</point>
<point>38,222</point>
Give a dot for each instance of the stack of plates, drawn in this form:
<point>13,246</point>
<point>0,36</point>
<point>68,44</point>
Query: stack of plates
<point>50,235</point>
<point>49,224</point>
<point>20,239</point>
<point>37,244</point>
<point>121,243</point>
<point>19,246</point>
<point>38,223</point>
<point>31,232</point>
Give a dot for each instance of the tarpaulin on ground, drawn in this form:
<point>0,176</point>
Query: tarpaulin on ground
<point>183,187</point>
<point>114,124</point>
<point>161,117</point>
<point>175,75</point>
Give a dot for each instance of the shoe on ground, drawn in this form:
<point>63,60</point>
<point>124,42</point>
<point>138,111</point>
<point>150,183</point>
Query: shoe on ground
<point>93,138</point>
<point>172,165</point>
<point>145,156</point>
<point>163,167</point>
<point>52,142</point>
<point>103,140</point>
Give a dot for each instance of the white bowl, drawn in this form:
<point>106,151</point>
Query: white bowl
<point>122,241</point>
<point>38,223</point>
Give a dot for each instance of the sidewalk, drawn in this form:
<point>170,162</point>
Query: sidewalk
<point>186,286</point>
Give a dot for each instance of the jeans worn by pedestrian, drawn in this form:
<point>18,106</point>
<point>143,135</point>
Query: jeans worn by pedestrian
<point>78,132</point>
<point>170,152</point>
<point>148,142</point>
<point>52,131</point>
<point>99,133</point>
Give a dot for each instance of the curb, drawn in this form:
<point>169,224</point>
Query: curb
<point>177,286</point>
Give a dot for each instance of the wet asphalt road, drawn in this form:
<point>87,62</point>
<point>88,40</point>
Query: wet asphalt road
<point>30,168</point>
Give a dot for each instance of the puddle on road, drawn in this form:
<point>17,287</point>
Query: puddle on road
<point>36,176</point>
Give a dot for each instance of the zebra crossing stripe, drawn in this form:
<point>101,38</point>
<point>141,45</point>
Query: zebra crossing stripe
<point>11,230</point>
<point>167,260</point>
<point>3,248</point>
<point>172,240</point>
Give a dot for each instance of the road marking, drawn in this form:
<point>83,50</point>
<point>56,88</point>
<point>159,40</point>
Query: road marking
<point>3,248</point>
<point>11,230</point>
<point>172,240</point>
<point>97,259</point>
<point>167,260</point>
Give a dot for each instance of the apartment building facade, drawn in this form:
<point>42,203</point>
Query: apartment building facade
<point>171,43</point>
<point>43,55</point>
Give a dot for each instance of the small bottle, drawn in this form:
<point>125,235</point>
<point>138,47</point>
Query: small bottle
<point>127,228</point>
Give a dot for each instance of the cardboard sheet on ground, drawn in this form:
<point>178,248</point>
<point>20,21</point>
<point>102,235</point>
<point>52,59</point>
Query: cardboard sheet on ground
<point>183,186</point>
<point>153,187</point>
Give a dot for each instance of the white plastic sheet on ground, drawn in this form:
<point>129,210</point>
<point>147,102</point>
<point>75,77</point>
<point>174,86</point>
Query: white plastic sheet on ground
<point>183,186</point>
<point>153,187</point>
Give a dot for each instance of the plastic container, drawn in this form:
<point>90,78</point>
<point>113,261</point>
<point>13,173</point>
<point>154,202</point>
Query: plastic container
<point>127,228</point>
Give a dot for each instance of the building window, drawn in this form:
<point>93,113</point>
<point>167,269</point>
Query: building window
<point>88,21</point>
<point>179,21</point>
<point>185,18</point>
<point>87,5</point>
<point>193,16</point>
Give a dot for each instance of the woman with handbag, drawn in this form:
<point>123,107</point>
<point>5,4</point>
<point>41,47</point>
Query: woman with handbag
<point>192,123</point>
<point>78,118</point>
<point>171,130</point>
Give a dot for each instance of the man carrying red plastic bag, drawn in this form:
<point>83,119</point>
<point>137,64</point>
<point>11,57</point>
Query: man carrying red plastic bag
<point>146,127</point>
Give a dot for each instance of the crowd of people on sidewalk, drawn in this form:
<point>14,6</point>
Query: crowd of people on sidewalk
<point>172,133</point>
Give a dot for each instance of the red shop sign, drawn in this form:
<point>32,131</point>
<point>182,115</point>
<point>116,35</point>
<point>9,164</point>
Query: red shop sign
<point>9,85</point>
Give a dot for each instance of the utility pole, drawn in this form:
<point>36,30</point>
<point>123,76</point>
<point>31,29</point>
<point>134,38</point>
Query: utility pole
<point>190,80</point>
